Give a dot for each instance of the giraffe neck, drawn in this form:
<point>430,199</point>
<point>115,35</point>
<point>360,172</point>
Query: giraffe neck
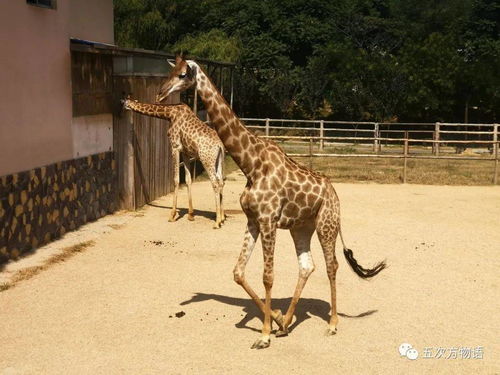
<point>160,111</point>
<point>238,140</point>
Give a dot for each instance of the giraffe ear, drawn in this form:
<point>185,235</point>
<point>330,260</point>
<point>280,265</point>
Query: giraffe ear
<point>178,57</point>
<point>171,62</point>
<point>191,68</point>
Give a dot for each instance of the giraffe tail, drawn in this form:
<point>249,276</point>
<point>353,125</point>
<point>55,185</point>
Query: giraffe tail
<point>364,273</point>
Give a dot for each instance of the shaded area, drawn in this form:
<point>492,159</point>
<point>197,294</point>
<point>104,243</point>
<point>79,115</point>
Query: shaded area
<point>306,308</point>
<point>183,211</point>
<point>207,214</point>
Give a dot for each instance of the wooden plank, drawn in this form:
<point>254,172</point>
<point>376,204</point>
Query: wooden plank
<point>385,156</point>
<point>416,140</point>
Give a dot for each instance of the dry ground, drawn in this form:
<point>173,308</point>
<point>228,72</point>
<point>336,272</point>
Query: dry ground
<point>152,297</point>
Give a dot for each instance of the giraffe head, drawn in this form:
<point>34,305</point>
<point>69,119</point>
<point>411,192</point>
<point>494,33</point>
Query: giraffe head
<point>182,77</point>
<point>126,102</point>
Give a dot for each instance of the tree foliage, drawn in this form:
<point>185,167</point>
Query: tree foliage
<point>414,60</point>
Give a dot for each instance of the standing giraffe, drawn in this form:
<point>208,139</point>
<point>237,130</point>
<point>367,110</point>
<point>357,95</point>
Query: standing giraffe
<point>279,194</point>
<point>190,136</point>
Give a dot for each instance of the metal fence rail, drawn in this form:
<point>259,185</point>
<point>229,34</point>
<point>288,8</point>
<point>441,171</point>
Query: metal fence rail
<point>373,133</point>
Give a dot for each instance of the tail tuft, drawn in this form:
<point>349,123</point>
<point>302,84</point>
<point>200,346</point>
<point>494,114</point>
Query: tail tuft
<point>362,272</point>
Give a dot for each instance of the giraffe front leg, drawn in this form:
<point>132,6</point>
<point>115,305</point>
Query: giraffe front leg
<point>268,239</point>
<point>187,170</point>
<point>173,212</point>
<point>251,234</point>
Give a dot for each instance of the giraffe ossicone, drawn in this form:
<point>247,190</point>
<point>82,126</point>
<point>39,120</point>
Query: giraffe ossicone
<point>189,136</point>
<point>279,194</point>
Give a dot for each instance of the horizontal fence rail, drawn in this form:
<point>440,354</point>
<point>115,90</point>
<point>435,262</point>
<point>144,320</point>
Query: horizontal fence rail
<point>380,135</point>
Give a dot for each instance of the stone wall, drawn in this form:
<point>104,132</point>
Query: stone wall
<point>40,205</point>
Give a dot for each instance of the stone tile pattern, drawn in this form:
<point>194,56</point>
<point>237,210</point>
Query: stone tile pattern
<point>40,205</point>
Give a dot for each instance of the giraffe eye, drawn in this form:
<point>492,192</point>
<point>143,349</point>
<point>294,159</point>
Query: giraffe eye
<point>182,75</point>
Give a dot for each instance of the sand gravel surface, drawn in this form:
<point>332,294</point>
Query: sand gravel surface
<point>153,297</point>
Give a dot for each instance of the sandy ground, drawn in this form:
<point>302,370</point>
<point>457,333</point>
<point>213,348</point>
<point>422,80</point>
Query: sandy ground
<point>112,309</point>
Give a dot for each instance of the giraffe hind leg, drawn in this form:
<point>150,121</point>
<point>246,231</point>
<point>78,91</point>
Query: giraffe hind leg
<point>173,212</point>
<point>218,219</point>
<point>302,240</point>
<point>219,175</point>
<point>327,227</point>
<point>211,169</point>
<point>187,170</point>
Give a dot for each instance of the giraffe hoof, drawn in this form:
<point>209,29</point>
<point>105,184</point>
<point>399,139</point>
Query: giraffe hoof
<point>331,331</point>
<point>261,343</point>
<point>282,332</point>
<point>216,226</point>
<point>190,217</point>
<point>172,219</point>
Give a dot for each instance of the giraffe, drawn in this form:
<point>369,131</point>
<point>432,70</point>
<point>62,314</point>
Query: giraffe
<point>279,194</point>
<point>192,138</point>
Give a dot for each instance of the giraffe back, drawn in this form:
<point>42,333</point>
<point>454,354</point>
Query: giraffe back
<point>196,138</point>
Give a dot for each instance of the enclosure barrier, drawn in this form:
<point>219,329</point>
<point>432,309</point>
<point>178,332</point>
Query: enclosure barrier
<point>372,136</point>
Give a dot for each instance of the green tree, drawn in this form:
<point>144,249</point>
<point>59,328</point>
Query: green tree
<point>417,60</point>
<point>215,45</point>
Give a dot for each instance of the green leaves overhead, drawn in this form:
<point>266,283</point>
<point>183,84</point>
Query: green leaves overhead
<point>415,60</point>
<point>214,44</point>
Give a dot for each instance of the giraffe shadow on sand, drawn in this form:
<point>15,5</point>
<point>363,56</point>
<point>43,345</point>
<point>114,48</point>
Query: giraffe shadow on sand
<point>308,307</point>
<point>184,211</point>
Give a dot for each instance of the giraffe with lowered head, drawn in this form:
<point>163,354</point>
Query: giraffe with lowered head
<point>192,138</point>
<point>279,194</point>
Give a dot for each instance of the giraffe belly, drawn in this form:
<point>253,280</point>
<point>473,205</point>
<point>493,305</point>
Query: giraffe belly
<point>288,220</point>
<point>295,213</point>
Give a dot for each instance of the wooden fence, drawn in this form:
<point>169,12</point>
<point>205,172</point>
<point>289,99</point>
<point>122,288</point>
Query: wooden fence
<point>380,135</point>
<point>141,145</point>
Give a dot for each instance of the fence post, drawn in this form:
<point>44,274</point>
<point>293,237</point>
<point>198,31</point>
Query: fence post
<point>310,153</point>
<point>321,134</point>
<point>267,127</point>
<point>495,138</point>
<point>375,137</point>
<point>436,138</point>
<point>495,177</point>
<point>405,157</point>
